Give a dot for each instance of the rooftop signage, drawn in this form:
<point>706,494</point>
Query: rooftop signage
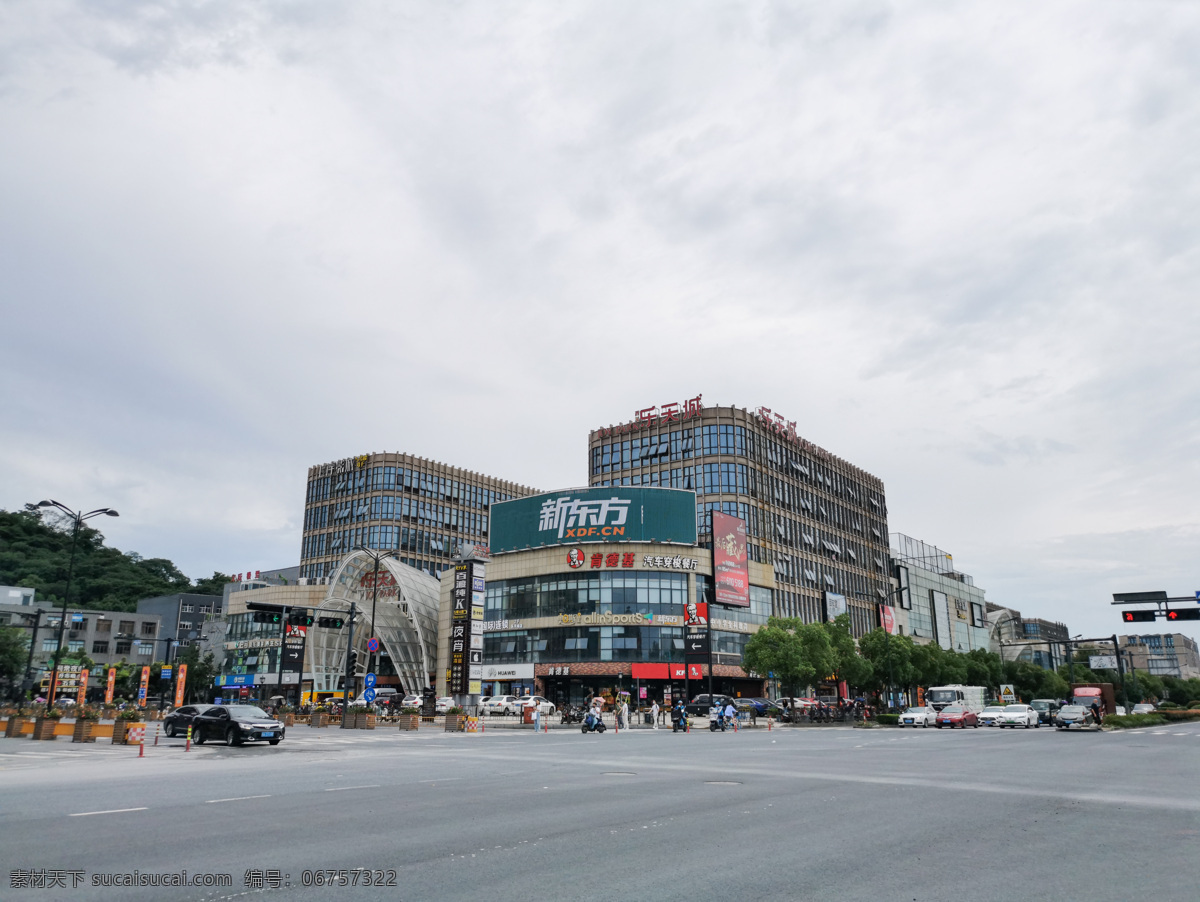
<point>608,514</point>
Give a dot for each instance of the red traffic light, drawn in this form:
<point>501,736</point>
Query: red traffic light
<point>1138,616</point>
<point>1183,614</point>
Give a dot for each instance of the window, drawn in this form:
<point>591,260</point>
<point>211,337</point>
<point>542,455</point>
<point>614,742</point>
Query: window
<point>123,646</point>
<point>185,624</point>
<point>186,608</point>
<point>126,627</point>
<point>149,628</point>
<point>104,626</point>
<point>145,649</point>
<point>100,648</point>
<point>579,644</point>
<point>49,645</point>
<point>75,645</point>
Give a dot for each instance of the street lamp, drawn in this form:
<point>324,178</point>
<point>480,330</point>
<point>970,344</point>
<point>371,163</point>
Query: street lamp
<point>1071,658</point>
<point>77,519</point>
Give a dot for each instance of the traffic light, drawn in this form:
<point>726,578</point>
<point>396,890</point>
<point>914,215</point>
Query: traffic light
<point>1138,616</point>
<point>299,617</point>
<point>268,617</point>
<point>331,623</point>
<point>352,662</point>
<point>1183,613</point>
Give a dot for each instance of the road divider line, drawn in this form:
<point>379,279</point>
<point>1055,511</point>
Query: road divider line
<point>344,788</point>
<point>110,811</point>
<point>236,799</point>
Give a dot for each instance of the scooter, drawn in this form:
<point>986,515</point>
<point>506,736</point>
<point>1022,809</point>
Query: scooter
<point>593,724</point>
<point>572,715</point>
<point>716,720</point>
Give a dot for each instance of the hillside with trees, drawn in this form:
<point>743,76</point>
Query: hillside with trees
<point>35,550</point>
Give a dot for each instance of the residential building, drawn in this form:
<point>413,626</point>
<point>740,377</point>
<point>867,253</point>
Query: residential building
<point>421,509</point>
<point>182,615</point>
<point>818,522</point>
<point>1162,654</point>
<point>19,596</point>
<point>943,605</point>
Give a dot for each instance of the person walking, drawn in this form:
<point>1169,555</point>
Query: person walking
<point>654,714</point>
<point>623,715</point>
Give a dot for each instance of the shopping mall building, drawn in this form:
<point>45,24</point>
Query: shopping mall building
<point>585,593</point>
<point>816,523</point>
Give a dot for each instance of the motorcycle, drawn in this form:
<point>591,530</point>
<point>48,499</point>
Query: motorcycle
<point>593,724</point>
<point>572,715</point>
<point>716,720</point>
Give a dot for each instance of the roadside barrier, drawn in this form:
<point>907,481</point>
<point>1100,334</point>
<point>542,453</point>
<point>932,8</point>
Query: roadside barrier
<point>137,735</point>
<point>188,746</point>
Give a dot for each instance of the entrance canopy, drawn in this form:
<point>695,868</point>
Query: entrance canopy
<point>405,621</point>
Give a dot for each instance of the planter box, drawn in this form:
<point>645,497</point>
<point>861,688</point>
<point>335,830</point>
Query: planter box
<point>408,721</point>
<point>455,723</point>
<point>85,731</point>
<point>15,726</point>
<point>108,714</point>
<point>43,728</point>
<point>289,720</point>
<point>121,729</point>
<point>319,720</point>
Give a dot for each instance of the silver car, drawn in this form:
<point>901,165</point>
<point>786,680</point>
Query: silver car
<point>917,717</point>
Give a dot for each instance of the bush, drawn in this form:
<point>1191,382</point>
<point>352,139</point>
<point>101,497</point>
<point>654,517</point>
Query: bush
<point>1180,714</point>
<point>410,710</point>
<point>1194,705</point>
<point>132,714</point>
<point>887,720</point>
<point>454,711</point>
<point>1168,706</point>
<point>1131,721</point>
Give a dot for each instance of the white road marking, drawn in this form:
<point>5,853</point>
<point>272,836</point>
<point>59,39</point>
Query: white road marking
<point>235,799</point>
<point>110,811</point>
<point>344,788</point>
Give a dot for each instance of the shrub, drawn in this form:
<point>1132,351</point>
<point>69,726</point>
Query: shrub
<point>131,714</point>
<point>1131,721</point>
<point>52,714</point>
<point>1195,705</point>
<point>454,710</point>
<point>1180,714</point>
<point>1168,706</point>
<point>409,710</point>
<point>87,713</point>
<point>887,720</point>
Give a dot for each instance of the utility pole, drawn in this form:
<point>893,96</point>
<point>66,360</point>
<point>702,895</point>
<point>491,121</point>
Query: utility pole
<point>1121,674</point>
<point>350,665</point>
<point>27,683</point>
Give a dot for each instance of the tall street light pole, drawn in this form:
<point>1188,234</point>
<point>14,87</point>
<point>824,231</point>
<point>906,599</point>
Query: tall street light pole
<point>373,657</point>
<point>77,519</point>
<point>887,642</point>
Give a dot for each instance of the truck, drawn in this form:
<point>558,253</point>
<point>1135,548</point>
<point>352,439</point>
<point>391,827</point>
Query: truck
<point>1086,693</point>
<point>970,697</point>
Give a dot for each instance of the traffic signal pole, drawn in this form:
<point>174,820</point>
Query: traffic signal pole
<point>349,665</point>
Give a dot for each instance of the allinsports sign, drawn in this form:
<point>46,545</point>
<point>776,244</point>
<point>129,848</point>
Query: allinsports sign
<point>608,514</point>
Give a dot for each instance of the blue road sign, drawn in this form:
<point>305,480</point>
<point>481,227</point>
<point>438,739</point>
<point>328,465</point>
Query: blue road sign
<point>369,695</point>
<point>373,645</point>
<point>166,673</point>
<point>141,695</point>
<point>369,681</point>
<point>217,700</point>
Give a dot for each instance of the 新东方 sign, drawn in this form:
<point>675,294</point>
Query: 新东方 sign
<point>605,514</point>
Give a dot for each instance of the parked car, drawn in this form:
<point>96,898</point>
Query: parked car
<point>1018,716</point>
<point>917,716</point>
<point>236,724</point>
<point>502,704</point>
<point>1073,717</point>
<point>443,704</point>
<point>956,716</point>
<point>701,703</point>
<point>1119,710</point>
<point>1143,708</point>
<point>177,722</point>
<point>762,706</point>
<point>411,701</point>
<point>990,715</point>
<point>1046,709</point>
<point>544,706</point>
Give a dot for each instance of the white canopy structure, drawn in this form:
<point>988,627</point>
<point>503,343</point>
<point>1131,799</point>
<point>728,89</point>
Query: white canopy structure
<point>406,611</point>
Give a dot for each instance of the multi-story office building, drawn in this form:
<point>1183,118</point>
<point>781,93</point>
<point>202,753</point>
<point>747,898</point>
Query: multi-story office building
<point>182,614</point>
<point>421,509</point>
<point>107,637</point>
<point>943,605</point>
<point>1045,643</point>
<point>1166,654</point>
<point>818,521</point>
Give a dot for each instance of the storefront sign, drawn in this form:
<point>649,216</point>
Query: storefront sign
<point>466,626</point>
<point>507,672</point>
<point>344,465</point>
<point>490,626</point>
<point>731,574</point>
<point>609,514</point>
<point>887,618</point>
<point>664,414</point>
<point>559,670</point>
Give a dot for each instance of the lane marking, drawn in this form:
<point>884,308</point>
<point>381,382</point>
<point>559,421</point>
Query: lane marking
<point>110,811</point>
<point>236,799</point>
<point>344,788</point>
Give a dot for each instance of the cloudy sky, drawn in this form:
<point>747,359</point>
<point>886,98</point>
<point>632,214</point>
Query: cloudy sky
<point>957,243</point>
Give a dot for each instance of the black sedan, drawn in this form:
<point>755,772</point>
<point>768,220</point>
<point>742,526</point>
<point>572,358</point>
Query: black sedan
<point>235,724</point>
<point>177,722</point>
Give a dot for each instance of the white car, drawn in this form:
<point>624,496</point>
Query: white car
<point>1018,716</point>
<point>411,701</point>
<point>443,704</point>
<point>501,704</point>
<point>917,717</point>
<point>1143,708</point>
<point>543,705</point>
<point>990,716</point>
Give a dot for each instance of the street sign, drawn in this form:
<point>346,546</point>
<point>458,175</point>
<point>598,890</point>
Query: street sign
<point>369,695</point>
<point>166,673</point>
<point>1102,662</point>
<point>373,644</point>
<point>1007,695</point>
<point>697,643</point>
<point>217,700</point>
<point>369,681</point>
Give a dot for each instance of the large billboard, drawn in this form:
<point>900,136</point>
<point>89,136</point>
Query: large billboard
<point>608,514</point>
<point>731,573</point>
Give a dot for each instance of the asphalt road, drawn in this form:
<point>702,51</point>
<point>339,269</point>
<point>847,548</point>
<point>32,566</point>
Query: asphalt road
<point>829,814</point>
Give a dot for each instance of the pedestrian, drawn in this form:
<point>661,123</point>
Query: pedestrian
<point>537,715</point>
<point>623,715</point>
<point>730,714</point>
<point>654,714</point>
<point>1096,712</point>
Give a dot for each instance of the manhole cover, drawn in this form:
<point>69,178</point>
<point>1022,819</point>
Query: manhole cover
<point>618,773</point>
<point>722,783</point>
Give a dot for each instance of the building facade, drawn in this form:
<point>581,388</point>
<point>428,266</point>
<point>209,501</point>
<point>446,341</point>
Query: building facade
<point>578,612</point>
<point>1164,654</point>
<point>182,615</point>
<point>942,604</point>
<point>1045,643</point>
<point>421,509</point>
<point>817,522</point>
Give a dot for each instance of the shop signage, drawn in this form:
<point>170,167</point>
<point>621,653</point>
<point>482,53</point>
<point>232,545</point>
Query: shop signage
<point>490,626</point>
<point>344,465</point>
<point>731,574</point>
<point>508,671</point>
<point>112,684</point>
<point>887,618</point>
<point>83,681</point>
<point>577,557</point>
<point>671,412</point>
<point>607,514</point>
<point>610,619</point>
<point>466,626</point>
<point>180,682</point>
<point>142,688</point>
<point>559,670</point>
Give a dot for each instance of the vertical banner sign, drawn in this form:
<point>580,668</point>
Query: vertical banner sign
<point>293,653</point>
<point>112,684</point>
<point>475,631</point>
<point>143,686</point>
<point>83,680</point>
<point>179,683</point>
<point>731,573</point>
<point>887,618</point>
<point>466,629</point>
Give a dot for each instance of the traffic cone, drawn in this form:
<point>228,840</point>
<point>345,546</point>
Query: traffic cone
<point>188,746</point>
<point>156,730</point>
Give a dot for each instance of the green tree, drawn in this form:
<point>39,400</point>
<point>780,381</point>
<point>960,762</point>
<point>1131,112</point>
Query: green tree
<point>201,673</point>
<point>848,664</point>
<point>890,657</point>
<point>798,653</point>
<point>984,668</point>
<point>13,651</point>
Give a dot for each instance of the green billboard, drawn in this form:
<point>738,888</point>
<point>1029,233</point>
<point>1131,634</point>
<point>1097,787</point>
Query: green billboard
<point>609,514</point>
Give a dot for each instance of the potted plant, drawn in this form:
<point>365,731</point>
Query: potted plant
<point>126,718</point>
<point>85,724</point>
<point>45,724</point>
<point>320,716</point>
<point>409,718</point>
<point>455,721</point>
<point>287,714</point>
<point>16,723</point>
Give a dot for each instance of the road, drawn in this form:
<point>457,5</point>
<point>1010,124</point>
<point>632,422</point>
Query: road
<point>822,813</point>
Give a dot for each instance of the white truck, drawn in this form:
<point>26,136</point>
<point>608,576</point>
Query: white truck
<point>970,697</point>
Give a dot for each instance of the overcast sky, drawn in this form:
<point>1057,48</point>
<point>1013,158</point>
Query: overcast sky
<point>956,243</point>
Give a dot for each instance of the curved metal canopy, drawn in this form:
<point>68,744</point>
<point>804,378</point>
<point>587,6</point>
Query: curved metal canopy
<point>406,610</point>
